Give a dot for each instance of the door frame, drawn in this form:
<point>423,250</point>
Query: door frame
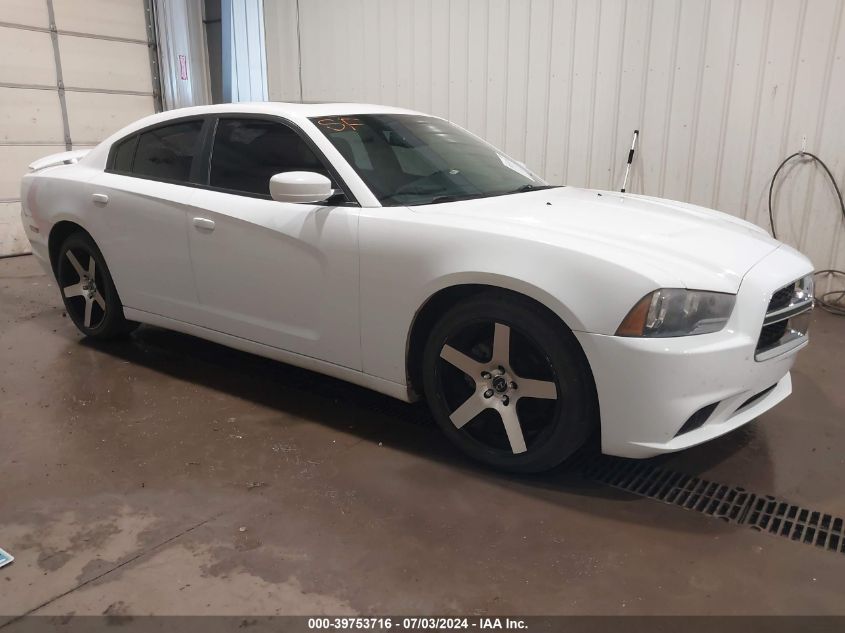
<point>207,148</point>
<point>201,163</point>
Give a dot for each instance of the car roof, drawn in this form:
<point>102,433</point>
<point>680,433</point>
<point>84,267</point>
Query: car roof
<point>296,112</point>
<point>291,110</point>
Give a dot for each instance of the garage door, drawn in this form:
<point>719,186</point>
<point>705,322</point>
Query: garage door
<point>71,74</point>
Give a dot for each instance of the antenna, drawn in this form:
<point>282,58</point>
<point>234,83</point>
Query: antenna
<point>630,159</point>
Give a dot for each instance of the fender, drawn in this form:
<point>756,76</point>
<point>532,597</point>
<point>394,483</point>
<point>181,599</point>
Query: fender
<point>495,280</point>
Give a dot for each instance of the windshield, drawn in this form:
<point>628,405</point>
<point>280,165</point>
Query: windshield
<point>408,159</point>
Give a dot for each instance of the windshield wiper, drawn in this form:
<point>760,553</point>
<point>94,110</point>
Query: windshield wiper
<point>454,198</point>
<point>525,188</point>
<point>470,196</point>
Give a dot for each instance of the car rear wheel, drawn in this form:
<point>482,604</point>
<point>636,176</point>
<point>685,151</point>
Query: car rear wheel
<point>509,384</point>
<point>88,292</point>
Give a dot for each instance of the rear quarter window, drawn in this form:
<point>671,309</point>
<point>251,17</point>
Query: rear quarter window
<point>124,153</point>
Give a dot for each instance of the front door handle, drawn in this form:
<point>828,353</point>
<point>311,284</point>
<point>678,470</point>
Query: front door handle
<point>204,224</point>
<point>100,198</point>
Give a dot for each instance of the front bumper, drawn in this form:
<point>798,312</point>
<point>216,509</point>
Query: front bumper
<point>648,388</point>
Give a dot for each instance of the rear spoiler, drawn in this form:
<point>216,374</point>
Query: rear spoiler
<point>62,158</point>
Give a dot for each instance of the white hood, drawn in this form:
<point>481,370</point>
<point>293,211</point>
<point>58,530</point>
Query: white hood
<point>703,249</point>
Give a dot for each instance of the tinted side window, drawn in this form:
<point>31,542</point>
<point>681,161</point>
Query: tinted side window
<point>167,152</point>
<point>124,153</point>
<point>247,152</point>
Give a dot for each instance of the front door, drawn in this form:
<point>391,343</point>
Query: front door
<point>280,274</point>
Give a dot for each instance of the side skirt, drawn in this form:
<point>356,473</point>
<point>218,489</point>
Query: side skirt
<point>387,387</point>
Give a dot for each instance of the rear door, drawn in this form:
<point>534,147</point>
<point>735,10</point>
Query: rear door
<point>144,192</point>
<point>285,275</point>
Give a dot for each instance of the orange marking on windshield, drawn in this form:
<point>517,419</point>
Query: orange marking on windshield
<point>339,124</point>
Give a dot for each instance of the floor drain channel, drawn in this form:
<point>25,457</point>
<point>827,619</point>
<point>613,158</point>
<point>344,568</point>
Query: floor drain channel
<point>798,524</point>
<point>733,504</point>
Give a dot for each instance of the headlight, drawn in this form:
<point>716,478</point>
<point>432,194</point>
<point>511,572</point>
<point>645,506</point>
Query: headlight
<point>805,289</point>
<point>678,312</point>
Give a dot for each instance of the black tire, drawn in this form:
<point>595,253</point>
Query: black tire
<point>72,266</point>
<point>540,350</point>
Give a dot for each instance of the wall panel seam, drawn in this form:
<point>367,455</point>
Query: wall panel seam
<point>644,82</point>
<point>466,69</point>
<point>93,36</point>
<point>793,78</point>
<point>620,60</point>
<point>758,99</point>
<point>591,125</point>
<point>696,109</point>
<point>59,79</point>
<point>153,53</point>
<point>140,93</point>
<point>726,106</point>
<point>486,65</point>
<point>299,50</point>
<point>569,91</point>
<point>820,119</point>
<point>32,143</point>
<point>646,58</point>
<point>550,42</point>
<point>670,93</point>
<point>507,72</point>
<point>525,84</point>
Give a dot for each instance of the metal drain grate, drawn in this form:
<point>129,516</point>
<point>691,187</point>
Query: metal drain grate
<point>732,504</point>
<point>799,524</point>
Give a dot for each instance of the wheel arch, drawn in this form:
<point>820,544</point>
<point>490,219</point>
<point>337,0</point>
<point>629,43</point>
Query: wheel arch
<point>450,294</point>
<point>59,232</point>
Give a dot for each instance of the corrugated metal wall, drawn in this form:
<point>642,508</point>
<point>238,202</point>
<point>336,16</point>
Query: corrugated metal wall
<point>722,90</point>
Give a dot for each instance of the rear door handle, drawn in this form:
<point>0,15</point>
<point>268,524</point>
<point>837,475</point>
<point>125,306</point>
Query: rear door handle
<point>204,224</point>
<point>100,198</point>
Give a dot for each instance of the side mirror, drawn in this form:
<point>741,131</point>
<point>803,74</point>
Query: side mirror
<point>300,186</point>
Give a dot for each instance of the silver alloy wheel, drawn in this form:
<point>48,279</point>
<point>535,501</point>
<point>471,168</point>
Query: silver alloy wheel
<point>86,287</point>
<point>497,387</point>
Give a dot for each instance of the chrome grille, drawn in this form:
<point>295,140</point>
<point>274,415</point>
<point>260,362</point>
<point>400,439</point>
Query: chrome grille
<point>787,319</point>
<point>781,298</point>
<point>771,334</point>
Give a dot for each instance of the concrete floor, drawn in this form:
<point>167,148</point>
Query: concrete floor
<point>168,475</point>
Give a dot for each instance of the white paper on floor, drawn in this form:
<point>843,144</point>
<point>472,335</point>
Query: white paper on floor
<point>5,558</point>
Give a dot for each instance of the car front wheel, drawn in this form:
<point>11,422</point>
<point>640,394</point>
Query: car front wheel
<point>508,383</point>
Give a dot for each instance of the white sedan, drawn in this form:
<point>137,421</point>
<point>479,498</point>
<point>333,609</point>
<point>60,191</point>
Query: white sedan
<point>398,251</point>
